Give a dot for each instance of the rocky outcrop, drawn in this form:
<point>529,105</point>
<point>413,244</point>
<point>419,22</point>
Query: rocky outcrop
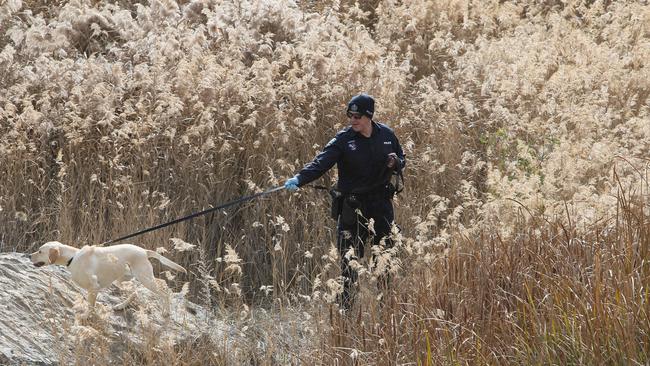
<point>41,322</point>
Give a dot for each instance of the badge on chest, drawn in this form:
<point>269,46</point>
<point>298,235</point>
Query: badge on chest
<point>352,145</point>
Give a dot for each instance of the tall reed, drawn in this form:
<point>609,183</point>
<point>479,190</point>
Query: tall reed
<point>115,117</point>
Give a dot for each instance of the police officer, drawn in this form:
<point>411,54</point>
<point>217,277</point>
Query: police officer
<point>366,154</point>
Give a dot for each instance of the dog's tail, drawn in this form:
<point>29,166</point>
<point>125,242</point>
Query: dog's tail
<point>166,262</point>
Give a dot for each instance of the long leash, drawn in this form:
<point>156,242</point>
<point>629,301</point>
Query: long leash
<point>191,216</point>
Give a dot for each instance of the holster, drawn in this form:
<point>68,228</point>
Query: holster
<point>349,210</point>
<point>337,203</point>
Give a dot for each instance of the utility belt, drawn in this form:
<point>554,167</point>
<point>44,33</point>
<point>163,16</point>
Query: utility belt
<point>345,205</point>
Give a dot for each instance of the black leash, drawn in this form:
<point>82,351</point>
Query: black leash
<point>191,216</point>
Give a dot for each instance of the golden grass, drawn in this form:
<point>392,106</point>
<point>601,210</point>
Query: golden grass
<point>525,127</point>
<point>548,295</point>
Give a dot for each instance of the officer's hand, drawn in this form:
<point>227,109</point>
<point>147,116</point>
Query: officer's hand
<point>291,184</point>
<point>392,160</point>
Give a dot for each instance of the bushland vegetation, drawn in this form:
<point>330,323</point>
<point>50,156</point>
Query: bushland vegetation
<point>524,223</point>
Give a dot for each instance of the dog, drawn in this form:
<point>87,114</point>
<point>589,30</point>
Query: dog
<point>94,268</point>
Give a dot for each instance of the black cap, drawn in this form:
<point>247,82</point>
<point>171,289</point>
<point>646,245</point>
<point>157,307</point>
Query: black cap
<point>362,103</point>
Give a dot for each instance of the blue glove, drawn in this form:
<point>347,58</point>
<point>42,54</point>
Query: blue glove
<point>291,184</point>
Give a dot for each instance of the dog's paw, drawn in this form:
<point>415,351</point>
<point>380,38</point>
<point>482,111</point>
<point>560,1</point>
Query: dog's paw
<point>121,306</point>
<point>86,317</point>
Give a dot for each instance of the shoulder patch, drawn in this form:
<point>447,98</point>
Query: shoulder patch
<point>383,126</point>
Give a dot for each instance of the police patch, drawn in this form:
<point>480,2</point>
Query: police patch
<point>352,145</point>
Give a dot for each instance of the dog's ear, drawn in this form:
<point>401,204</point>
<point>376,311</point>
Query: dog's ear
<point>54,255</point>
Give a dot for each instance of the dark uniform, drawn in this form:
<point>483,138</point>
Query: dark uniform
<point>364,181</point>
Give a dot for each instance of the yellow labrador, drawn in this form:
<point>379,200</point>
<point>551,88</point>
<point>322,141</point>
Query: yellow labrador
<point>94,268</point>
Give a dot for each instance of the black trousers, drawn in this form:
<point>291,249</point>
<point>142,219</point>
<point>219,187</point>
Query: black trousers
<point>353,232</point>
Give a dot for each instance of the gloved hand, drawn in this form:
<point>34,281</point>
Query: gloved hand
<point>392,160</point>
<point>291,184</point>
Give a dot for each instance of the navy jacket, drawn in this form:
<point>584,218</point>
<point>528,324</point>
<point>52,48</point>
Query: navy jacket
<point>361,161</point>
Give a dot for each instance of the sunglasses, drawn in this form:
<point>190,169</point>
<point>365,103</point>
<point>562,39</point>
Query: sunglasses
<point>355,115</point>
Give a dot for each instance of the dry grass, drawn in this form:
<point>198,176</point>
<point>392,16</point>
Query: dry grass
<point>547,295</point>
<point>526,128</point>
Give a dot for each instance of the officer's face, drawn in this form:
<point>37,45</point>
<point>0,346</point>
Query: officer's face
<point>359,122</point>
